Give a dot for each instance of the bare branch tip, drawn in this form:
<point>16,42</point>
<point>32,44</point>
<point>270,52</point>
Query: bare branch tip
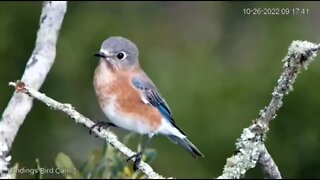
<point>12,84</point>
<point>19,85</point>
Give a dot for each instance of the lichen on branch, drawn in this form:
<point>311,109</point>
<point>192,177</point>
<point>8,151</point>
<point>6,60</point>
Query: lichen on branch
<point>250,145</point>
<point>69,110</point>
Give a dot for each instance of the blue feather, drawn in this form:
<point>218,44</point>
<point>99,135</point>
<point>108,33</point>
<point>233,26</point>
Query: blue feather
<point>164,112</point>
<point>154,99</point>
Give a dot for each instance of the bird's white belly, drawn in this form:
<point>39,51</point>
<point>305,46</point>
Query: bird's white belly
<point>128,122</point>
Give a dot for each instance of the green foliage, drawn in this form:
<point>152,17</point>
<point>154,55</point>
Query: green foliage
<point>104,163</point>
<point>63,162</point>
<point>38,174</point>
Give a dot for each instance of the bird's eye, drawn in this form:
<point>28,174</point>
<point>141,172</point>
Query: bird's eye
<point>121,55</point>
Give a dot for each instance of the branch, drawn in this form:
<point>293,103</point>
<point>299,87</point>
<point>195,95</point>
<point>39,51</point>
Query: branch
<point>35,73</point>
<point>269,167</point>
<point>251,142</point>
<point>79,118</point>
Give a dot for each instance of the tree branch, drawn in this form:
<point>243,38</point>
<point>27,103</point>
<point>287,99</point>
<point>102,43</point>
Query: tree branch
<point>268,166</point>
<point>251,142</point>
<point>35,73</point>
<point>79,118</point>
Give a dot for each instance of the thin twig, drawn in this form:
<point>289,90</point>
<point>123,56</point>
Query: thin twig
<point>79,118</point>
<point>37,68</point>
<point>251,143</point>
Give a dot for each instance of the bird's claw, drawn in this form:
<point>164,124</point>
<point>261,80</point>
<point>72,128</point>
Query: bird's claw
<point>137,160</point>
<point>101,124</point>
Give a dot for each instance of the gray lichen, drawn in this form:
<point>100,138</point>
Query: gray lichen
<point>250,145</point>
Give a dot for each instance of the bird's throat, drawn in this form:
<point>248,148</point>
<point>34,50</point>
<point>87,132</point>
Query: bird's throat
<point>108,65</point>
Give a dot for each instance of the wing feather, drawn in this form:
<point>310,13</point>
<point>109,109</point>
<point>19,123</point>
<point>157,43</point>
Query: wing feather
<point>152,97</point>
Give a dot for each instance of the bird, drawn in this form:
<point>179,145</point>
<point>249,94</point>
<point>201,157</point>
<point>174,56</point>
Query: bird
<point>130,99</point>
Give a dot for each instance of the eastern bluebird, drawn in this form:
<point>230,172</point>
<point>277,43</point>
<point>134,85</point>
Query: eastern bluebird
<point>129,98</point>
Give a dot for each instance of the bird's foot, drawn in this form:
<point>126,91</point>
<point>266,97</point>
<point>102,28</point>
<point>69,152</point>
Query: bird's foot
<point>101,124</point>
<point>137,160</point>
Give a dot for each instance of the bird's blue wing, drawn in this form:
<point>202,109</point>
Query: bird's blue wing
<point>152,97</point>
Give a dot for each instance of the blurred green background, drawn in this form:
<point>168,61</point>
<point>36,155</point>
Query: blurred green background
<point>215,66</point>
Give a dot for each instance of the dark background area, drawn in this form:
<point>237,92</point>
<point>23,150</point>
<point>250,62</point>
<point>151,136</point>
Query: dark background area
<point>215,66</point>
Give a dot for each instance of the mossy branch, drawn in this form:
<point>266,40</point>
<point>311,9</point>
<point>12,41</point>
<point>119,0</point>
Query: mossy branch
<point>37,68</point>
<point>250,146</point>
<point>79,118</point>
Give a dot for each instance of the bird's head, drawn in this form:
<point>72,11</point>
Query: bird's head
<point>119,53</point>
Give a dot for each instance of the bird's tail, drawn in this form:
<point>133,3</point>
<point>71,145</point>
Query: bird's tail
<point>186,144</point>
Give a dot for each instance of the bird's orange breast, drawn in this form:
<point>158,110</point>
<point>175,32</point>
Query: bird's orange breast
<point>109,84</point>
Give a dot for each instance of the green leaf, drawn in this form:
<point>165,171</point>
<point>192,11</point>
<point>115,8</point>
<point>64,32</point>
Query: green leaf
<point>128,137</point>
<point>89,167</point>
<point>13,171</point>
<point>105,147</point>
<point>66,167</point>
<point>149,155</point>
<point>100,169</point>
<point>116,165</point>
<point>38,174</point>
<point>113,162</point>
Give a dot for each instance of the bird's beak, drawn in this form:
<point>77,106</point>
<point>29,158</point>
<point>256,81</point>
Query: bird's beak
<point>100,54</point>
